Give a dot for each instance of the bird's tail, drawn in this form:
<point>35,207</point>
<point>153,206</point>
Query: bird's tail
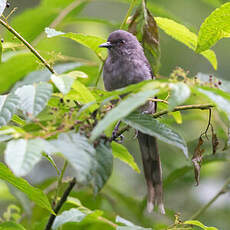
<point>152,171</point>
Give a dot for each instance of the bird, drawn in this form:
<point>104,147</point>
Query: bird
<point>127,64</point>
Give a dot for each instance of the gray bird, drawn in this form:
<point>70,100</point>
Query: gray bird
<point>126,64</point>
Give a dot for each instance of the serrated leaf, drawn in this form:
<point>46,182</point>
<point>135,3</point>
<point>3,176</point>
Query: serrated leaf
<point>179,93</point>
<point>11,226</point>
<point>33,193</point>
<point>8,106</point>
<point>148,125</point>
<point>199,224</point>
<point>182,34</point>
<point>62,82</point>
<point>28,154</point>
<point>215,27</point>
<point>89,41</point>
<point>121,110</point>
<point>72,215</point>
<point>104,166</point>
<point>120,152</point>
<point>33,98</point>
<point>2,6</point>
<point>223,103</point>
<point>80,154</point>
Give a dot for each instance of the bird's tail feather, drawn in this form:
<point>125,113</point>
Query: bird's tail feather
<point>152,171</point>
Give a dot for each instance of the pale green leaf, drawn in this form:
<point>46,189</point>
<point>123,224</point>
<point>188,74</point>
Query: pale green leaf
<point>72,215</point>
<point>215,27</point>
<point>179,93</point>
<point>199,224</point>
<point>0,52</point>
<point>121,110</point>
<point>182,34</point>
<point>89,41</point>
<point>121,152</point>
<point>62,82</point>
<point>33,193</point>
<point>8,106</point>
<point>33,98</point>
<point>80,154</point>
<point>177,116</point>
<point>11,226</point>
<point>28,154</point>
<point>148,125</point>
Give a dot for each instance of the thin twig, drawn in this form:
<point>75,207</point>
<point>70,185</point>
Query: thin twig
<point>209,123</point>
<point>59,18</point>
<point>100,72</point>
<point>27,44</point>
<point>158,100</point>
<point>60,204</point>
<point>205,207</point>
<point>183,107</point>
<point>101,218</point>
<point>118,134</point>
<point>132,5</point>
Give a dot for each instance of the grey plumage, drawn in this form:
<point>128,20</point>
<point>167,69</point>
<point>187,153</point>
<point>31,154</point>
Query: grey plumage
<point>126,64</point>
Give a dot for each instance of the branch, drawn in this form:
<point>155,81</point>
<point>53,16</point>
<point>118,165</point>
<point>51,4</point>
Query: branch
<point>183,107</point>
<point>128,14</point>
<point>205,207</point>
<point>60,204</point>
<point>27,44</point>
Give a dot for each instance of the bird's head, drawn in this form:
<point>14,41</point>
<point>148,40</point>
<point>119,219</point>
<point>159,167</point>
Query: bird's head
<point>121,42</point>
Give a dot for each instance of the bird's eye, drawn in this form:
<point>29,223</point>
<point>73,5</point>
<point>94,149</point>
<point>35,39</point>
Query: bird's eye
<point>121,41</point>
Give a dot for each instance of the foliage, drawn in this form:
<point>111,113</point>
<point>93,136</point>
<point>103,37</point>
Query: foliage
<point>65,116</point>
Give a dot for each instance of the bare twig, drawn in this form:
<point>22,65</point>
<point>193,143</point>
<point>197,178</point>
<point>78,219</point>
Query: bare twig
<point>27,44</point>
<point>209,123</point>
<point>118,134</point>
<point>205,207</point>
<point>60,204</point>
<point>183,107</point>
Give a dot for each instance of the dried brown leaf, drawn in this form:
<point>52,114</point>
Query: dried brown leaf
<point>215,142</point>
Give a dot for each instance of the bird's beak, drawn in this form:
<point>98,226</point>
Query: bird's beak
<point>106,45</point>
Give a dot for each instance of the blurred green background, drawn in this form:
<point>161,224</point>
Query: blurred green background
<point>125,185</point>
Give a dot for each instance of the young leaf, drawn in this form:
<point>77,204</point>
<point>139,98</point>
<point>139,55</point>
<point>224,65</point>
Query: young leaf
<point>27,155</point>
<point>72,215</point>
<point>215,27</point>
<point>180,92</point>
<point>120,152</point>
<point>33,193</point>
<point>199,224</point>
<point>11,226</point>
<point>8,106</point>
<point>80,154</point>
<point>121,110</point>
<point>2,6</point>
<point>89,41</point>
<point>148,125</point>
<point>182,34</point>
<point>62,82</point>
<point>104,166</point>
<point>33,98</point>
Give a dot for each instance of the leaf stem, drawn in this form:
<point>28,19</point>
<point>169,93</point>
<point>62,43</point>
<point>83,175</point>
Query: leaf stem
<point>205,207</point>
<point>132,5</point>
<point>183,107</point>
<point>27,44</point>
<point>60,204</point>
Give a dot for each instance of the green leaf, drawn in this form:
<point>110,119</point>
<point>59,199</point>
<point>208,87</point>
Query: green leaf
<point>33,193</point>
<point>11,226</point>
<point>89,41</point>
<point>199,224</point>
<point>125,107</point>
<point>72,215</point>
<point>80,154</point>
<point>120,152</point>
<point>215,27</point>
<point>28,154</point>
<point>8,106</point>
<point>33,98</point>
<point>2,6</point>
<point>182,34</point>
<point>222,100</point>
<point>104,166</point>
<point>0,51</point>
<point>62,82</point>
<point>148,125</point>
<point>180,92</point>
